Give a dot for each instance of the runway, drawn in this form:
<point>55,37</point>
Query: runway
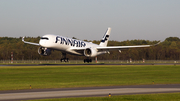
<point>86,92</point>
<point>89,64</point>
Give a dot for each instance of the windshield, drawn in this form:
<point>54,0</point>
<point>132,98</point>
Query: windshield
<point>45,38</point>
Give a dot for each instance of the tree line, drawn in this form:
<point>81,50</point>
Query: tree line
<point>169,49</point>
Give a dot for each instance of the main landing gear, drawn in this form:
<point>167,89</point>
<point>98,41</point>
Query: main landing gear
<point>64,59</point>
<point>87,60</point>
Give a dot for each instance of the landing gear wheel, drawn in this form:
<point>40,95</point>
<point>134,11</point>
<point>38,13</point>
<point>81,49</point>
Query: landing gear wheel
<point>64,59</point>
<point>87,60</point>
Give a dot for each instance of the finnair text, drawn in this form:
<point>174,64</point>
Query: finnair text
<point>71,42</point>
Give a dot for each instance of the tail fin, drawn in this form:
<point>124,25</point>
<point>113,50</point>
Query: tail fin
<point>105,38</point>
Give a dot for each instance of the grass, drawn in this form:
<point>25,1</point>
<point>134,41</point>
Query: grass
<point>140,97</point>
<point>39,77</point>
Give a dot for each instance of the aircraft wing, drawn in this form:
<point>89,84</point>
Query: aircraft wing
<point>77,48</point>
<point>113,47</point>
<point>123,47</point>
<point>30,42</point>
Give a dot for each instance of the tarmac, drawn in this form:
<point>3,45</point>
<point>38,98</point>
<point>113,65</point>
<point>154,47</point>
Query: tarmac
<point>86,92</point>
<point>89,64</point>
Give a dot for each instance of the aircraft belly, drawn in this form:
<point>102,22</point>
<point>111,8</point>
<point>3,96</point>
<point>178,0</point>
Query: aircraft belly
<point>80,53</point>
<point>66,49</point>
<point>61,47</point>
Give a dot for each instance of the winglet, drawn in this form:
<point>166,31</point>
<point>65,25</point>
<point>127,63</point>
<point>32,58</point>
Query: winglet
<point>157,43</point>
<point>23,39</point>
<point>30,42</point>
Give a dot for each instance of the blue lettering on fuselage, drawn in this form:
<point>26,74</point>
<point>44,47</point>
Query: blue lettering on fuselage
<point>71,42</point>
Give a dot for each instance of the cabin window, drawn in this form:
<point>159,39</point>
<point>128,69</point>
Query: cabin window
<point>45,38</point>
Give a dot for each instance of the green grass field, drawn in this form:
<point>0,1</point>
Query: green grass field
<point>39,77</point>
<point>139,97</point>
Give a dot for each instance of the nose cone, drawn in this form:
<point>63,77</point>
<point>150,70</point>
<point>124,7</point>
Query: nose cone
<point>47,41</point>
<point>42,43</point>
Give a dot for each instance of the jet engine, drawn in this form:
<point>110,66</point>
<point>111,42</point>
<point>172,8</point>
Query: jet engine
<point>44,51</point>
<point>90,52</point>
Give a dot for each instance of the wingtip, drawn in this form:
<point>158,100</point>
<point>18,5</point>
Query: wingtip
<point>157,43</point>
<point>22,38</point>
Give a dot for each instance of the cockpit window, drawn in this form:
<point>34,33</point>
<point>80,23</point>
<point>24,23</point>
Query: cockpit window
<point>45,38</point>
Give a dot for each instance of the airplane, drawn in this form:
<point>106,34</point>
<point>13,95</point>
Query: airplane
<point>51,42</point>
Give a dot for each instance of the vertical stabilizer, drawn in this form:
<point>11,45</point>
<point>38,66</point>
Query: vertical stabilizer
<point>105,38</point>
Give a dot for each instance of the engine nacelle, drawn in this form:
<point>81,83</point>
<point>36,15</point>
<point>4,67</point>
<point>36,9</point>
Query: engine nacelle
<point>44,51</point>
<point>90,52</point>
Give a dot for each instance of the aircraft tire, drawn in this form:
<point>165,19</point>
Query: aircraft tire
<point>65,60</point>
<point>87,60</point>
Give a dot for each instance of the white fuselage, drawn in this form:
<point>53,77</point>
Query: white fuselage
<point>65,44</point>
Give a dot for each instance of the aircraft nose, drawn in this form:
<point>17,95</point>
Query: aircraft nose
<point>42,42</point>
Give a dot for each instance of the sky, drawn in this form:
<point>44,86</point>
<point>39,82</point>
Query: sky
<point>89,19</point>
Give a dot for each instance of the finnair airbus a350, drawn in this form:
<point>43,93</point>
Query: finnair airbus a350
<point>77,47</point>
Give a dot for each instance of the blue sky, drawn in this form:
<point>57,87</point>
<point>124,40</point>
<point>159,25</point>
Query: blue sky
<point>89,19</point>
